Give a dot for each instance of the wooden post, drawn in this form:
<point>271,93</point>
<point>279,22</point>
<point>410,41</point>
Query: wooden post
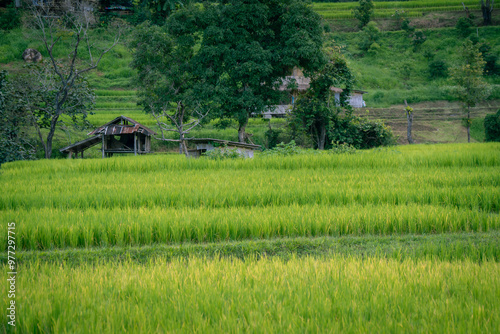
<point>70,154</point>
<point>409,117</point>
<point>135,143</point>
<point>103,146</point>
<point>82,154</point>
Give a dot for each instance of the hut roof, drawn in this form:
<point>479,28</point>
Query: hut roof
<point>82,145</point>
<point>122,125</point>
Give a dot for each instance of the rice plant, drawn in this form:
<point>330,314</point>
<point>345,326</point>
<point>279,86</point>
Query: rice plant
<point>336,294</point>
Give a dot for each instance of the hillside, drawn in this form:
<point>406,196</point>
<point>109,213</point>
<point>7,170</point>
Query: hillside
<point>395,71</point>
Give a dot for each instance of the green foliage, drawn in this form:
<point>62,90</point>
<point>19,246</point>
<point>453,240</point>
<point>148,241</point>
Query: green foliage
<point>468,76</point>
<point>344,148</point>
<point>246,48</point>
<point>272,137</point>
<point>221,153</point>
<point>438,69</point>
<point>477,131</point>
<point>369,36</point>
<point>400,18</point>
<point>471,87</point>
<point>363,12</point>
<point>14,141</point>
<point>418,38</point>
<point>463,26</point>
<point>405,25</point>
<point>361,133</point>
<point>315,109</point>
<point>490,58</point>
<point>10,17</point>
<point>283,150</point>
<point>492,127</point>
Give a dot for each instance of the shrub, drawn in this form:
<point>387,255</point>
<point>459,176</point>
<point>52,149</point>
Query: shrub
<point>343,148</point>
<point>492,127</point>
<point>283,149</point>
<point>418,38</point>
<point>220,153</point>
<point>370,35</point>
<point>10,17</point>
<point>363,12</point>
<point>463,26</point>
<point>438,69</point>
<point>272,137</point>
<point>374,49</point>
<point>361,133</point>
<point>405,25</point>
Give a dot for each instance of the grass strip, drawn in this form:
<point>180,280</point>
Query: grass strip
<point>476,247</point>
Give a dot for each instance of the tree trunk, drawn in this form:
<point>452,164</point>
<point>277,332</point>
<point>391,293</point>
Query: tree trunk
<point>468,124</point>
<point>50,136</point>
<point>322,137</point>
<point>486,8</point>
<point>182,144</point>
<point>241,131</point>
<point>409,117</point>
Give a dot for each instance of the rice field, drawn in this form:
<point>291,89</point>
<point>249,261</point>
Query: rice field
<point>382,9</point>
<point>337,294</point>
<point>396,239</point>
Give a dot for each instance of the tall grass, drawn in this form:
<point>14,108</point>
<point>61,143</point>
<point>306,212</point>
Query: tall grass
<point>56,228</point>
<point>171,199</point>
<point>340,294</point>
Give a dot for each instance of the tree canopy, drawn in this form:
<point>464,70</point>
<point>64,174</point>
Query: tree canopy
<point>246,48</point>
<point>470,87</point>
<point>316,110</point>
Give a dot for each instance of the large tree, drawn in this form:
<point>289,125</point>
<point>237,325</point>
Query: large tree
<point>246,48</point>
<point>58,83</point>
<point>471,87</point>
<point>163,58</point>
<point>317,109</point>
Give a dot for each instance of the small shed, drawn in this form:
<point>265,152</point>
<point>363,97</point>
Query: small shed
<point>207,144</point>
<point>121,135</point>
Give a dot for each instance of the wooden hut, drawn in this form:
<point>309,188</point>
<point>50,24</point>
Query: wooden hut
<point>121,135</point>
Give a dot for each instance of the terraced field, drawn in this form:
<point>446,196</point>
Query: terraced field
<point>383,9</point>
<point>394,239</point>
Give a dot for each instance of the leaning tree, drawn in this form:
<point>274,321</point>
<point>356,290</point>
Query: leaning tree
<point>57,86</point>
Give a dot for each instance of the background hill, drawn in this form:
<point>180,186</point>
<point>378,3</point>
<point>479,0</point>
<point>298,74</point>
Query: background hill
<point>395,69</point>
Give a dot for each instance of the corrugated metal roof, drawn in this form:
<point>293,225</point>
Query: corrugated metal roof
<point>82,145</point>
<point>115,127</point>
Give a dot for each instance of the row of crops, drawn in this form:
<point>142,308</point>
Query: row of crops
<point>397,239</point>
<point>383,9</point>
<point>337,294</point>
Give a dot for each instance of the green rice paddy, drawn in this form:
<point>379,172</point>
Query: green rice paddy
<point>386,240</point>
<point>382,9</point>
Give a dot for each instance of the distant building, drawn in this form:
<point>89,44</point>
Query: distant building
<point>303,83</point>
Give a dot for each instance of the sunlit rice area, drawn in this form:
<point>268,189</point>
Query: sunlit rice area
<point>384,239</point>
